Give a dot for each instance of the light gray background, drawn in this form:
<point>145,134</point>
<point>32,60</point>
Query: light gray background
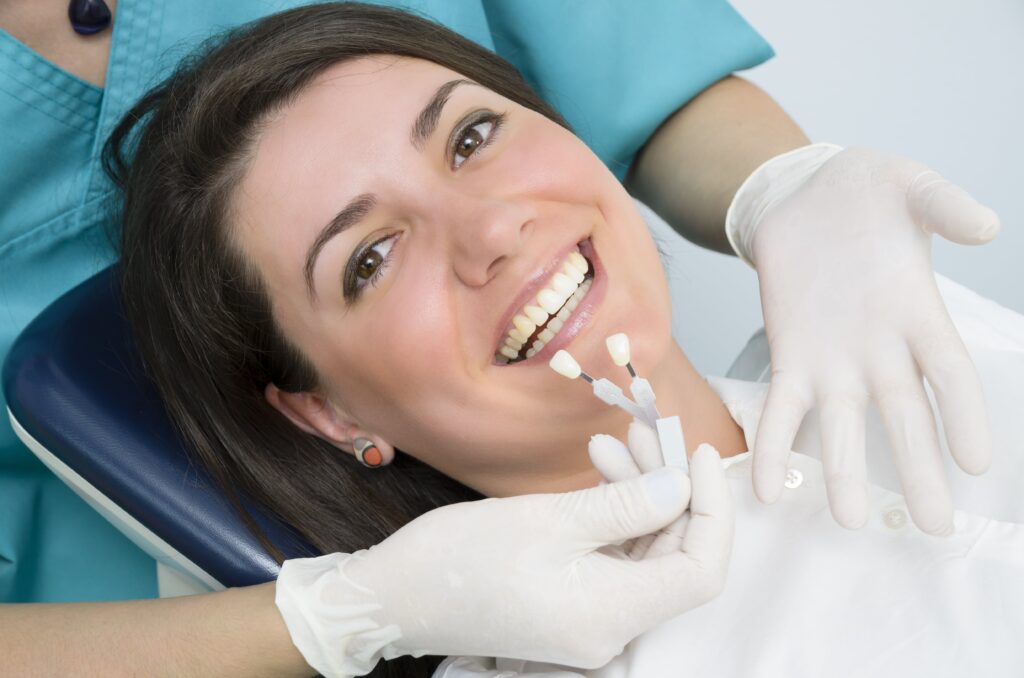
<point>940,81</point>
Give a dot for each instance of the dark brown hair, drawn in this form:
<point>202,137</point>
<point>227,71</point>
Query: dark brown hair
<point>200,312</point>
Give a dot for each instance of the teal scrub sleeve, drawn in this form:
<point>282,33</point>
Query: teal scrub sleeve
<point>616,70</point>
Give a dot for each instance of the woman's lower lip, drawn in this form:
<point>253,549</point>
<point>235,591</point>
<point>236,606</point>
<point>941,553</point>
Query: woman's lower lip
<point>580,318</point>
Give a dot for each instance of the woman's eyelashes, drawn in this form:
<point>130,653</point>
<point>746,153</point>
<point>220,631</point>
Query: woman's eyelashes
<point>367,265</point>
<point>473,133</point>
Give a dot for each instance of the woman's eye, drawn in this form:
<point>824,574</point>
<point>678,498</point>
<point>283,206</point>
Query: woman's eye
<point>366,267</point>
<point>474,138</point>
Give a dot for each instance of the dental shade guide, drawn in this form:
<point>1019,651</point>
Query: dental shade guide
<point>563,363</point>
<point>643,394</point>
<point>669,429</point>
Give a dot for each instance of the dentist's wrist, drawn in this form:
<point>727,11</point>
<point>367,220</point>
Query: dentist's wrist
<point>770,183</point>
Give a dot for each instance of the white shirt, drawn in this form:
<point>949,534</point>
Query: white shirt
<point>805,597</point>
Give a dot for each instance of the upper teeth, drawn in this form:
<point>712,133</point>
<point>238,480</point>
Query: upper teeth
<point>558,298</point>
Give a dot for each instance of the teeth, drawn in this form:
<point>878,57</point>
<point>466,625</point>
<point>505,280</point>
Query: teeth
<point>579,261</point>
<point>536,315</point>
<point>550,309</point>
<point>563,285</point>
<point>525,326</point>
<point>550,301</point>
<point>574,274</point>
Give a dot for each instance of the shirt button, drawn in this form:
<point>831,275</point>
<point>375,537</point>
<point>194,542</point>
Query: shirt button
<point>794,478</point>
<point>895,518</point>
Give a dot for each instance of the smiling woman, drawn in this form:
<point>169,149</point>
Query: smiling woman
<point>346,228</point>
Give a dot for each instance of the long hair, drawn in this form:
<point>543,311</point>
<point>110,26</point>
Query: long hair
<point>200,312</point>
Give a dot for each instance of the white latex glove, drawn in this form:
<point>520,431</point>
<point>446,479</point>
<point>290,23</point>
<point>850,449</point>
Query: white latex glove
<point>527,577</point>
<point>841,240</point>
<point>617,462</point>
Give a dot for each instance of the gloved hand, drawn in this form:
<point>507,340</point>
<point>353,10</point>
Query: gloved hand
<point>841,240</point>
<point>529,577</point>
<point>617,462</point>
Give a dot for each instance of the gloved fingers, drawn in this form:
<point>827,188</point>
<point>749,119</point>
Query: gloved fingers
<point>942,357</point>
<point>908,419</point>
<point>644,446</point>
<point>669,539</point>
<point>939,206</point>
<point>784,410</point>
<point>611,458</point>
<point>842,417</point>
<point>708,536</point>
<point>695,573</point>
<point>613,513</point>
<point>638,549</point>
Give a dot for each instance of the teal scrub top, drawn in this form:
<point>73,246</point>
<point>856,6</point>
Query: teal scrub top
<point>615,70</point>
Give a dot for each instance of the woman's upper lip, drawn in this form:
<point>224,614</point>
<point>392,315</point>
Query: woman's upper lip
<point>534,284</point>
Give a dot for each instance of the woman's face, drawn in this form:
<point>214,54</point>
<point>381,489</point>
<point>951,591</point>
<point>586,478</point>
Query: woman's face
<point>402,218</point>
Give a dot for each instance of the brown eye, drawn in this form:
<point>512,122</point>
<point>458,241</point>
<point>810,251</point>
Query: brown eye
<point>369,264</point>
<point>470,141</point>
<point>473,138</point>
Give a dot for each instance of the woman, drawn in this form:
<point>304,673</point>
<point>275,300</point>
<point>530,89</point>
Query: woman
<point>342,261</point>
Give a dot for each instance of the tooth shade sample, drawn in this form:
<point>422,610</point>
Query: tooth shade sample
<point>565,364</point>
<point>618,348</point>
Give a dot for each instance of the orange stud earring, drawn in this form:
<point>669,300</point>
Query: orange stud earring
<point>367,453</point>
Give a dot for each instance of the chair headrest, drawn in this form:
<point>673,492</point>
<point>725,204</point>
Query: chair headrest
<point>74,381</point>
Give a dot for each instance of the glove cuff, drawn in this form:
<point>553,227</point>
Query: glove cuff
<point>329,616</point>
<point>767,185</point>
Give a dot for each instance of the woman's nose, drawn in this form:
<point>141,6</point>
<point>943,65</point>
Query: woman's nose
<point>484,236</point>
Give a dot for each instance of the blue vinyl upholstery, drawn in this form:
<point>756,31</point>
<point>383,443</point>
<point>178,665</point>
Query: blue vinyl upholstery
<point>74,381</point>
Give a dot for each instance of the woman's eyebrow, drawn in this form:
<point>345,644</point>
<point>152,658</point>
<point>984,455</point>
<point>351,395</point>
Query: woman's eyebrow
<point>426,121</point>
<point>355,210</point>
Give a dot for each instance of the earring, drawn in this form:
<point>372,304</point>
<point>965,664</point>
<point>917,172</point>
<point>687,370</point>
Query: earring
<point>367,453</point>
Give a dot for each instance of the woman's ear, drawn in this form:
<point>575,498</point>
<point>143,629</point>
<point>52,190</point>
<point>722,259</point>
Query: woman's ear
<point>315,415</point>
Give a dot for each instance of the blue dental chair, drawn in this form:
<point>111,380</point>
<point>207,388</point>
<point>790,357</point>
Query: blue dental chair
<point>78,398</point>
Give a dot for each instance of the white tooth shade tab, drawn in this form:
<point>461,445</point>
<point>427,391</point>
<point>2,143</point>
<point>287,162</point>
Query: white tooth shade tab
<point>565,364</point>
<point>618,348</point>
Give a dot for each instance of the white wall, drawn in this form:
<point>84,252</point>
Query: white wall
<point>937,80</point>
